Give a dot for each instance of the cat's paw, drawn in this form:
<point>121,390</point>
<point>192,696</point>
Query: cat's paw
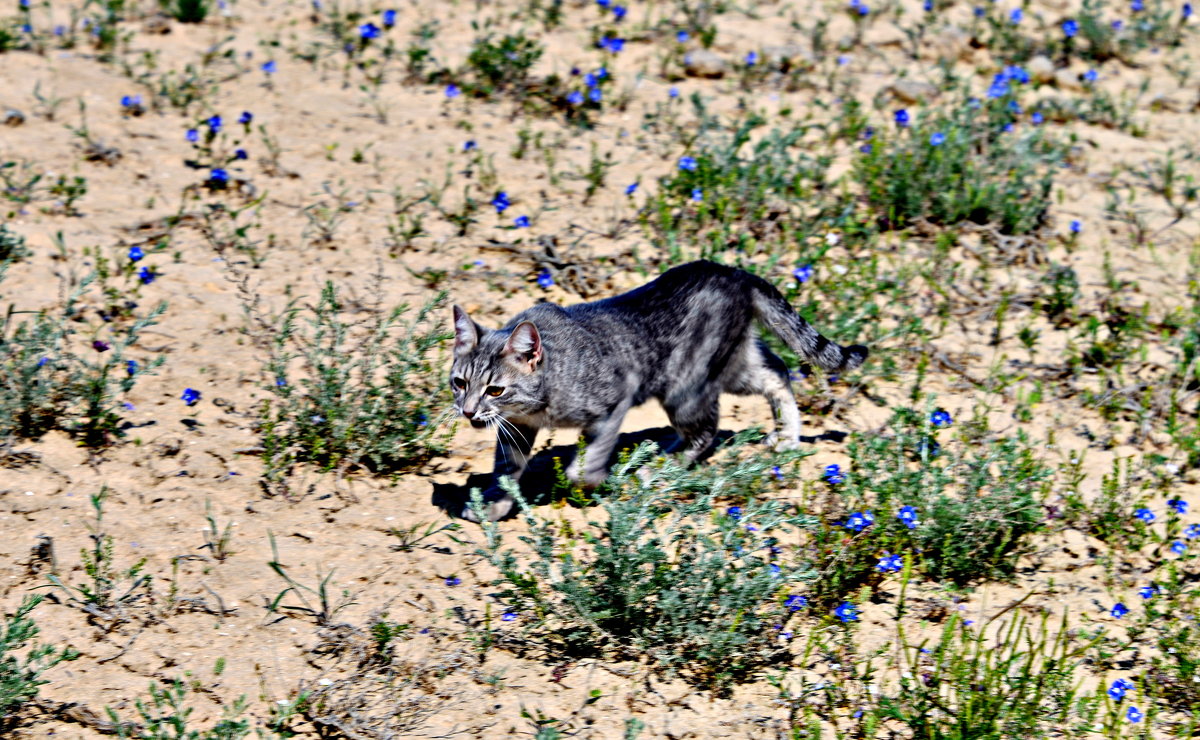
<point>496,505</point>
<point>780,443</point>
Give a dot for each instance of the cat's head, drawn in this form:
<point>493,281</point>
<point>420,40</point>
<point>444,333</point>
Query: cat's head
<point>496,374</point>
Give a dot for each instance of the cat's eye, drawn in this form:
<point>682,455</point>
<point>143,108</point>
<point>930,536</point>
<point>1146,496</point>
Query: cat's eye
<point>494,390</point>
<point>460,383</point>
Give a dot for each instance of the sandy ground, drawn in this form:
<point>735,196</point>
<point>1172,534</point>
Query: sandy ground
<point>207,620</point>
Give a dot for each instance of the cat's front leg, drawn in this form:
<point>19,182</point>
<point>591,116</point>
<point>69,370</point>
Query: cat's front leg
<point>590,467</point>
<point>513,445</point>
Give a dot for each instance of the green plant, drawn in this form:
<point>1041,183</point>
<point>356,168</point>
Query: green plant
<point>964,688</point>
<point>964,507</point>
<point>51,377</point>
<point>348,393</point>
<point>166,717</point>
<point>960,164</point>
<point>109,590</point>
<point>664,572</point>
<point>188,11</point>
<point>22,661</point>
<point>322,607</point>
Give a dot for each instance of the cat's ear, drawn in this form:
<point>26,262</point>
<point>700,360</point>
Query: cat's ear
<point>466,332</point>
<point>524,347</point>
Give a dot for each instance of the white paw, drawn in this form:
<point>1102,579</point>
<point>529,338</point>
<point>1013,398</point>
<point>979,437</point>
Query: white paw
<point>781,443</point>
<point>496,510</point>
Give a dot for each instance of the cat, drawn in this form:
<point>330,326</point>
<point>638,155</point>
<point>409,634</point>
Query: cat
<point>682,339</point>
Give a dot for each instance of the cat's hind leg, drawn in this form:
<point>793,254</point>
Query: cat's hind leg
<point>694,414</point>
<point>760,371</point>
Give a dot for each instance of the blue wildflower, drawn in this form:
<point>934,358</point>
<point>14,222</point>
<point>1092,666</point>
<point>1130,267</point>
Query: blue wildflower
<point>1137,6</point>
<point>1192,531</point>
<point>901,117</point>
<point>1076,226</point>
<point>697,194</point>
<point>999,87</point>
<point>1090,76</point>
<point>131,101</point>
<point>619,12</point>
<point>751,59</point>
<point>833,474</point>
<point>681,36</point>
<point>1116,692</point>
<point>192,135</point>
<point>501,201</point>
<point>734,512</point>
<point>101,346</point>
<point>218,177</point>
<point>1036,118</point>
<point>389,18</point>
<point>574,97</point>
<point>452,90</point>
<point>469,145</point>
<point>136,253</point>
<point>859,520</point>
<point>240,154</point>
<point>453,581</point>
<point>595,95</point>
<point>908,515</point>
<point>687,163</point>
<point>521,222</point>
<point>795,602</point>
<point>190,396</point>
<point>1179,505</point>
<point>611,44</point>
<point>269,67</point>
<point>940,418</point>
<point>1134,715</point>
<point>890,563</point>
<point>544,279</point>
<point>1015,16</point>
<point>1144,514</point>
<point>1119,610</point>
<point>1186,12</point>
<point>368,31</point>
<point>803,273</point>
<point>508,616</point>
<point>1179,547</point>
<point>631,188</point>
<point>214,124</point>
<point>146,275</point>
<point>1147,591</point>
<point>1070,27</point>
<point>847,612</point>
<point>937,139</point>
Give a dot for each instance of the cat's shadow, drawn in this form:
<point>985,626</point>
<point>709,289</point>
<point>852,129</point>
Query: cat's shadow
<point>540,482</point>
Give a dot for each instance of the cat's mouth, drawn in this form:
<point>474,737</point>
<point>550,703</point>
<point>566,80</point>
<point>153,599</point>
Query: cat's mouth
<point>478,423</point>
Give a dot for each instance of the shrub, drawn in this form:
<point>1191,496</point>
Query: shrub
<point>974,504</point>
<point>57,372</point>
<point>960,164</point>
<point>348,393</point>
<point>699,590</point>
<point>20,675</point>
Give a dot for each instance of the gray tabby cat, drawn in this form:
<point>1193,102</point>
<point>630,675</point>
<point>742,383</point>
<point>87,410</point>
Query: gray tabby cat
<point>682,339</point>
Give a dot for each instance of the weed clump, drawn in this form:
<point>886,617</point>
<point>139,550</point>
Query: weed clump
<point>349,393</point>
<point>22,661</point>
<point>699,588</point>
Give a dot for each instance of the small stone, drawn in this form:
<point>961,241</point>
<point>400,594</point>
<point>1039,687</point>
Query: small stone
<point>1067,80</point>
<point>13,117</point>
<point>912,91</point>
<point>1040,68</point>
<point>789,56</point>
<point>704,63</point>
<point>952,43</point>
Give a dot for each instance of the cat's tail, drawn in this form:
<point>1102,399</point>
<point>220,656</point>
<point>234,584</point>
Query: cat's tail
<point>774,312</point>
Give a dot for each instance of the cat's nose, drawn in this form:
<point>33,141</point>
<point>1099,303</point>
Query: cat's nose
<point>469,413</point>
